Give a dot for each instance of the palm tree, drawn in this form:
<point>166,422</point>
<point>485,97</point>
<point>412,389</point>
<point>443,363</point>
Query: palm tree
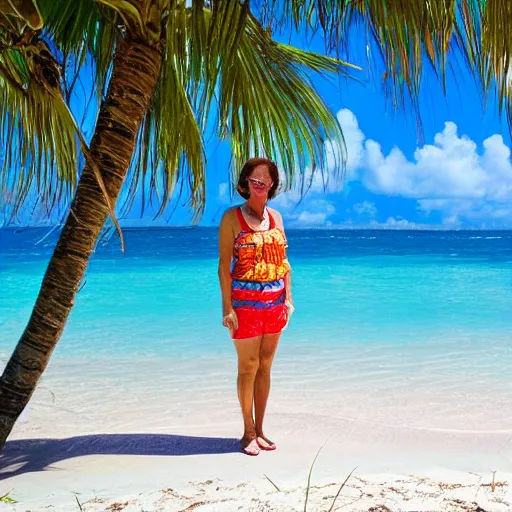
<point>161,67</point>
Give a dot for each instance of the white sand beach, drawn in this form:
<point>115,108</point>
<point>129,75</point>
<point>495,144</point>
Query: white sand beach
<point>161,435</point>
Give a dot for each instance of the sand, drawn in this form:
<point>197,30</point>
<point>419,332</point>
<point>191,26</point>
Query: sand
<point>162,435</point>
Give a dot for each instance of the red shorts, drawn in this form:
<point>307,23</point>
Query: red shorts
<point>253,322</point>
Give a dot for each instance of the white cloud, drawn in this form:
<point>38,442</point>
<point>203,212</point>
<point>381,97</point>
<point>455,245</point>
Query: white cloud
<point>317,181</point>
<point>354,138</point>
<point>453,175</point>
<point>366,208</point>
<point>223,196</point>
<point>395,223</point>
<point>324,180</point>
<point>308,218</point>
<point>451,168</point>
<point>399,222</point>
<point>455,212</point>
<point>286,201</point>
<point>315,213</point>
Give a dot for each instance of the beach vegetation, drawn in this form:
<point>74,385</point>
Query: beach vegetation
<point>5,498</point>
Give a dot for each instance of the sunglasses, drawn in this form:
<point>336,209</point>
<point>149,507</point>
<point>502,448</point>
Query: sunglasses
<point>259,183</point>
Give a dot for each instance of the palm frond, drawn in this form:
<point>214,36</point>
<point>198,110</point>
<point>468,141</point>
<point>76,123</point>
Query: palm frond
<point>221,71</point>
<point>43,86</point>
<point>488,44</point>
<point>80,29</point>
<point>407,37</point>
<point>311,16</point>
<point>410,34</point>
<point>37,138</point>
<point>170,148</point>
<point>438,31</point>
<point>198,42</point>
<point>129,11</point>
<point>268,104</point>
<point>25,10</point>
<point>406,32</point>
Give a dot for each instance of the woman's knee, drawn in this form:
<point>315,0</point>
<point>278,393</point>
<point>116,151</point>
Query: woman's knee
<point>249,365</point>
<point>265,362</point>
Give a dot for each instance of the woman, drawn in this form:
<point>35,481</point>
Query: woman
<point>255,283</point>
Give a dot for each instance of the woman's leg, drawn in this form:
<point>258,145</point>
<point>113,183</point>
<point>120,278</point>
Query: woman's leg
<point>267,351</point>
<point>248,350</point>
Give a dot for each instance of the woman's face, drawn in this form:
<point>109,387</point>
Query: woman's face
<point>260,182</point>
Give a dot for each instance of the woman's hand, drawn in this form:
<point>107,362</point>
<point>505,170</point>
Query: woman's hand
<point>289,312</point>
<point>230,320</point>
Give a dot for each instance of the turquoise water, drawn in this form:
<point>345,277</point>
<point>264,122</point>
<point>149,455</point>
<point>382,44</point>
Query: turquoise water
<point>392,290</point>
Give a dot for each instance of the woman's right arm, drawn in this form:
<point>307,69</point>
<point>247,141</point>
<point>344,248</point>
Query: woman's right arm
<point>226,241</point>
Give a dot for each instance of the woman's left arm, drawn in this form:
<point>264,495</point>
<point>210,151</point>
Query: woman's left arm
<point>288,284</point>
<point>288,277</point>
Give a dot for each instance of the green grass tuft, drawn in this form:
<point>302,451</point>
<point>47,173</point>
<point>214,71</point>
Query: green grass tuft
<point>308,487</point>
<point>79,505</point>
<point>341,487</point>
<point>271,482</point>
<point>7,499</point>
<point>309,478</point>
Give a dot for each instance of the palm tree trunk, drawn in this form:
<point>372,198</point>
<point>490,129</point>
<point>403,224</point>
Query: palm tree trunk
<point>135,74</point>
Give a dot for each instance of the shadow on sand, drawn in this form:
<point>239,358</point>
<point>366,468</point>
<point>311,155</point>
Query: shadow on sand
<point>31,455</point>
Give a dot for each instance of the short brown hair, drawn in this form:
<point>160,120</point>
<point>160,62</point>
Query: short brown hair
<point>242,186</point>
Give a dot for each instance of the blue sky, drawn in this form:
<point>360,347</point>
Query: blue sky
<point>458,176</point>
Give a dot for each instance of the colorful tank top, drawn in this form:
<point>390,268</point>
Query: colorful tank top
<point>259,256</point>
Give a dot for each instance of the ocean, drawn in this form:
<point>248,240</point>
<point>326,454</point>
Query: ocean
<point>379,314</point>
